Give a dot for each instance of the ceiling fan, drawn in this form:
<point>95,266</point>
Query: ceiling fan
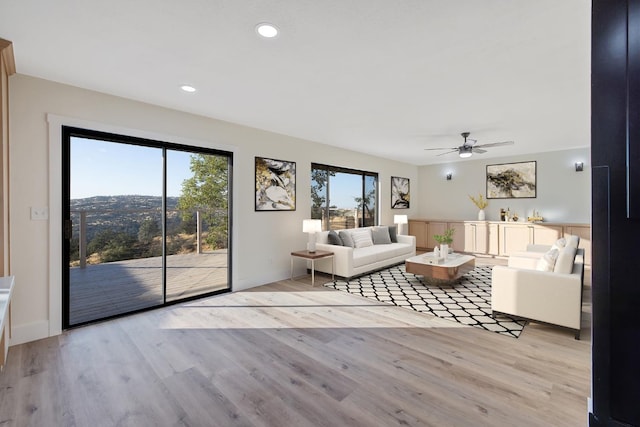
<point>469,147</point>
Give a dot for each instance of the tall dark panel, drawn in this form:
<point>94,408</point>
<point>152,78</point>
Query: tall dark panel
<point>615,153</point>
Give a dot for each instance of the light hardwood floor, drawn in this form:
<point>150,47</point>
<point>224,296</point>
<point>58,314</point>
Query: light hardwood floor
<point>287,354</point>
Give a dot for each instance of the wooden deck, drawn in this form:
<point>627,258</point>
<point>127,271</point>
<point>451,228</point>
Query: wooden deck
<point>109,289</point>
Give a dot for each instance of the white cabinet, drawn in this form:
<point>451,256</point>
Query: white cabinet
<point>497,238</point>
<point>476,237</point>
<point>514,237</point>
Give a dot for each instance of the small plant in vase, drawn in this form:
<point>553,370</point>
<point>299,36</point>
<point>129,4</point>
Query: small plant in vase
<point>480,203</point>
<point>444,240</point>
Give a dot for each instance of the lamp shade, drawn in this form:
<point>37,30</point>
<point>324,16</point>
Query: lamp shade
<point>400,219</point>
<point>311,226</point>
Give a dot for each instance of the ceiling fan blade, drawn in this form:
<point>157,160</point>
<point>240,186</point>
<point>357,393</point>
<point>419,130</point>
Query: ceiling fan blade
<point>479,150</point>
<point>442,148</point>
<point>448,152</point>
<point>495,144</point>
<point>470,142</point>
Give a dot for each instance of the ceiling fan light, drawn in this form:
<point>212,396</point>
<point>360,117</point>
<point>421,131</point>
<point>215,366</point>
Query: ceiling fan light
<point>465,152</point>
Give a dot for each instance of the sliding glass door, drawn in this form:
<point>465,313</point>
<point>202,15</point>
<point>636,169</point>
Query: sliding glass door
<point>146,224</point>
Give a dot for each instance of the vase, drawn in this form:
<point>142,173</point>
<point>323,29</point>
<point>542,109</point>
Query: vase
<point>444,250</point>
<point>481,216</point>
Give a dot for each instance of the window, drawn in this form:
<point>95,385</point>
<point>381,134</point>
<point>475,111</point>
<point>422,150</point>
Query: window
<point>343,198</point>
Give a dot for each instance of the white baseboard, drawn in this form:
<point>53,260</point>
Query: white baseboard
<point>21,334</point>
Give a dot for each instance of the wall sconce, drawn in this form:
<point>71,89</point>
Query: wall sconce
<point>449,176</point>
<point>579,166</point>
<point>311,226</point>
<point>400,220</point>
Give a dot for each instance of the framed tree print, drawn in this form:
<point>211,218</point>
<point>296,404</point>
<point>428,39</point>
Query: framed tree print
<point>399,193</point>
<point>275,185</point>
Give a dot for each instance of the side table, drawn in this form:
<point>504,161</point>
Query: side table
<point>313,256</point>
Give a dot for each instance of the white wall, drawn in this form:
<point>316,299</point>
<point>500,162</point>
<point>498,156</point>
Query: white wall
<point>262,241</point>
<point>563,195</point>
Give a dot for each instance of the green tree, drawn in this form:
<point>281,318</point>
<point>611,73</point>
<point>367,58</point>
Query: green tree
<point>148,230</point>
<point>113,245</point>
<point>207,191</point>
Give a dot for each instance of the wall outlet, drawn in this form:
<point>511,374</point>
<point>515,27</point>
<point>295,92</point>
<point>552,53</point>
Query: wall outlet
<point>39,214</point>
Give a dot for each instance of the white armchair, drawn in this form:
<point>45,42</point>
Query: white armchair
<point>544,296</point>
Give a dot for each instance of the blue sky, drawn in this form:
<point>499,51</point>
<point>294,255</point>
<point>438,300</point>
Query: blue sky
<point>101,168</point>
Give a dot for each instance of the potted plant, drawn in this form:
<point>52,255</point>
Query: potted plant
<point>445,239</point>
<point>480,203</point>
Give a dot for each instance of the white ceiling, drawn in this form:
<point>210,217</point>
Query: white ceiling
<point>384,77</point>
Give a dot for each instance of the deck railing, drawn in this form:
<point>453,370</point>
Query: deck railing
<point>82,227</point>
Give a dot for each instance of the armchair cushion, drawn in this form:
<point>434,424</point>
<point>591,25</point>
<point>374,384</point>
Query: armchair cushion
<point>564,263</point>
<point>548,261</point>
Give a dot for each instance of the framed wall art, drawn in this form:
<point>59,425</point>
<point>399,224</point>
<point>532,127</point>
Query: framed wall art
<point>511,180</point>
<point>275,185</point>
<point>399,193</point>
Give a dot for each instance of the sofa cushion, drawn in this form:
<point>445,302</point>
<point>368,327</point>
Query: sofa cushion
<point>366,255</point>
<point>380,235</point>
<point>573,240</point>
<point>361,238</point>
<point>393,233</point>
<point>548,260</point>
<point>345,235</point>
<point>564,263</point>
<point>334,239</point>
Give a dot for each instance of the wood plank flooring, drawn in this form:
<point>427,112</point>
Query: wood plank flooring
<point>288,354</point>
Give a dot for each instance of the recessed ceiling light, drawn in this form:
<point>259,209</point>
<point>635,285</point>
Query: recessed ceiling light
<point>188,88</point>
<point>267,30</point>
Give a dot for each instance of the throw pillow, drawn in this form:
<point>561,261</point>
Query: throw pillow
<point>559,244</point>
<point>548,260</point>
<point>346,238</point>
<point>334,239</point>
<point>393,233</point>
<point>361,238</point>
<point>380,235</point>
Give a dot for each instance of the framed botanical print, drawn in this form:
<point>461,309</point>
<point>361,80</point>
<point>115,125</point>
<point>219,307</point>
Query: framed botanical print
<point>399,193</point>
<point>511,180</point>
<point>275,185</point>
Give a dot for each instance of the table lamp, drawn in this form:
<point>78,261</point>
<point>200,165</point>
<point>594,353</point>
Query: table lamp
<point>311,226</point>
<point>400,220</point>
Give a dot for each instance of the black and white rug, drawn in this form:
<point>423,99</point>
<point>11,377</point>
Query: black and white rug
<point>466,300</point>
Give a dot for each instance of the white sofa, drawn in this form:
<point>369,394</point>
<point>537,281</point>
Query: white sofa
<point>354,261</point>
<point>521,289</point>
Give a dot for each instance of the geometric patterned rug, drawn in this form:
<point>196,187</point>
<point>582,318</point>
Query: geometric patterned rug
<point>466,300</point>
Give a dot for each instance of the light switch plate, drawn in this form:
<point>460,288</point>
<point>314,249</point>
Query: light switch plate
<point>39,214</point>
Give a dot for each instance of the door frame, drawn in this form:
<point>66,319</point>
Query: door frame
<point>53,324</point>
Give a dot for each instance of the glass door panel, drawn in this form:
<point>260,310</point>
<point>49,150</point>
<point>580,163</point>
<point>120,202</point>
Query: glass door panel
<point>369,201</point>
<point>197,233</point>
<point>344,199</point>
<point>115,207</point>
